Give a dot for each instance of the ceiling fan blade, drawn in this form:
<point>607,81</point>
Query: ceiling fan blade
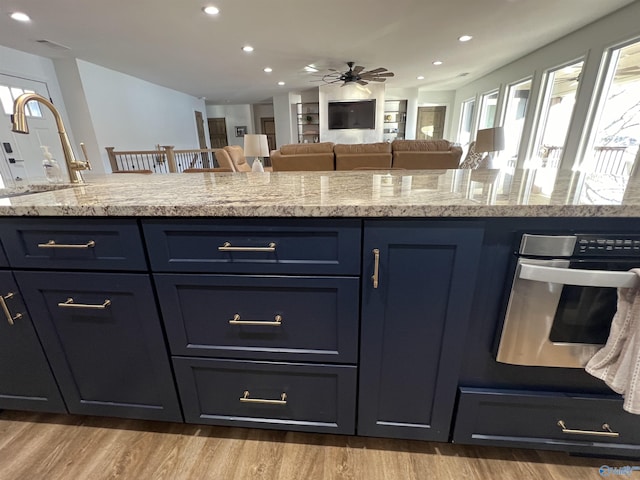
<point>358,69</point>
<point>367,76</point>
<point>362,82</point>
<point>377,79</point>
<point>377,70</point>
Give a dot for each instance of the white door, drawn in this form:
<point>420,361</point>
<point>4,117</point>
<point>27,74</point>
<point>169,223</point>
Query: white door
<point>21,155</point>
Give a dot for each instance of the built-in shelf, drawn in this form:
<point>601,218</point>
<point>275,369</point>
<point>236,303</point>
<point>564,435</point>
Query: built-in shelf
<point>395,119</point>
<point>308,118</point>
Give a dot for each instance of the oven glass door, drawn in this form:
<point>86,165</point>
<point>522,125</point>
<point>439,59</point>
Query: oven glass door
<point>584,313</point>
<point>560,311</point>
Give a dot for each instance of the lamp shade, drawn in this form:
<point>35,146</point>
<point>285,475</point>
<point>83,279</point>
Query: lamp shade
<point>490,140</point>
<point>256,145</point>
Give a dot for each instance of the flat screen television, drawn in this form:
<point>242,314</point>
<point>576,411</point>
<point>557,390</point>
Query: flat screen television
<point>353,114</point>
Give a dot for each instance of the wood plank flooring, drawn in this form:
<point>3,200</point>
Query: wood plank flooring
<point>44,446</point>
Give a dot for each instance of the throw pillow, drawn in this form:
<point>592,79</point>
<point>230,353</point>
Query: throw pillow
<point>473,158</point>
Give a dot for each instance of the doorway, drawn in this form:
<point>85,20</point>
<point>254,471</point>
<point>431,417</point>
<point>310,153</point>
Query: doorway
<point>431,123</point>
<point>218,132</point>
<point>268,126</point>
<point>21,157</point>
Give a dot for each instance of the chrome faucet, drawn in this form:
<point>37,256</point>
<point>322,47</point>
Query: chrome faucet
<point>19,125</point>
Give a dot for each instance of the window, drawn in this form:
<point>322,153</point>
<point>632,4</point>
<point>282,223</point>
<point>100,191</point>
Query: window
<point>488,107</point>
<point>9,94</point>
<point>561,86</point>
<point>613,146</point>
<point>516,110</point>
<point>466,121</point>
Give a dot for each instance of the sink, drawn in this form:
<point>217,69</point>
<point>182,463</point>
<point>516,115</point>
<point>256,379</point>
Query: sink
<point>29,189</point>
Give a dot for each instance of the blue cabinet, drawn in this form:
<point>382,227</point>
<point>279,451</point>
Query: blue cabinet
<point>102,335</point>
<point>245,302</point>
<point>26,381</point>
<point>569,422</point>
<point>418,283</point>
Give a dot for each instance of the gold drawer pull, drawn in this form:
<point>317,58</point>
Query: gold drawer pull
<point>53,244</point>
<point>245,398</point>
<point>227,247</point>
<point>5,309</point>
<point>236,321</point>
<point>605,432</point>
<point>70,304</point>
<point>376,267</point>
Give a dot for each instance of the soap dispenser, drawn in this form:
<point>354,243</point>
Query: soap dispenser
<point>50,165</point>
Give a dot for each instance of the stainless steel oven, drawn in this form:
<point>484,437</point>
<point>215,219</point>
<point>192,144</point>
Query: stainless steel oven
<point>564,296</point>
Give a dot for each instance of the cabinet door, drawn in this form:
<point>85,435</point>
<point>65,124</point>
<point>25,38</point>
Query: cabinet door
<point>412,324</point>
<point>26,381</point>
<point>103,338</point>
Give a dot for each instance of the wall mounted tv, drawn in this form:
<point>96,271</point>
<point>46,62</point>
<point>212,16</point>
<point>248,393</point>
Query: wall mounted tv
<point>353,114</point>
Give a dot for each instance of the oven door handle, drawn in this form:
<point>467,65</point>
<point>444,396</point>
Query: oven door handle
<point>583,278</point>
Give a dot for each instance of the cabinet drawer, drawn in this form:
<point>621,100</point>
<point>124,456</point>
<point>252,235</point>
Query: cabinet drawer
<point>531,419</point>
<point>265,317</point>
<point>302,246</point>
<point>73,244</point>
<point>286,396</point>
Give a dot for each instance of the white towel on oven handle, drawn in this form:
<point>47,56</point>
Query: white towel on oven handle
<point>618,362</point>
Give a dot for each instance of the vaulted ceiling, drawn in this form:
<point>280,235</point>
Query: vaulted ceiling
<point>174,44</point>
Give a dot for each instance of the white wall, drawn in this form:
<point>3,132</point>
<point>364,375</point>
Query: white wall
<point>283,112</point>
<point>589,42</point>
<point>329,93</point>
<point>236,116</point>
<point>133,114</point>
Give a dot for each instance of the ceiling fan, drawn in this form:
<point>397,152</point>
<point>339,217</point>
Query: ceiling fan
<point>357,75</point>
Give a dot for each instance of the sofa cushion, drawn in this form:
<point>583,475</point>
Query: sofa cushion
<point>305,148</point>
<point>380,147</point>
<point>363,160</point>
<point>303,161</point>
<point>421,145</point>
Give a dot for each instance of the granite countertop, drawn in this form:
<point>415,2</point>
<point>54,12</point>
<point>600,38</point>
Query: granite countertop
<point>419,193</point>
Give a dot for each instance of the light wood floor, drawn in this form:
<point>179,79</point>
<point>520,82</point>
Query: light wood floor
<point>43,446</point>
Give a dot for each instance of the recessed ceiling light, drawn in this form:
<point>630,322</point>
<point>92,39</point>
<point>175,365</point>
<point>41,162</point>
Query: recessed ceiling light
<point>281,83</point>
<point>420,77</point>
<point>268,69</point>
<point>465,38</point>
<point>437,62</point>
<point>21,17</point>
<point>211,10</point>
<point>247,48</point>
<point>311,68</point>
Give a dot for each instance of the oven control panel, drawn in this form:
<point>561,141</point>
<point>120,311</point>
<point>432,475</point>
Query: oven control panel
<point>614,245</point>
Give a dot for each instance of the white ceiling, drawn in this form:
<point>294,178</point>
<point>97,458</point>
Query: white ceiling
<point>172,43</point>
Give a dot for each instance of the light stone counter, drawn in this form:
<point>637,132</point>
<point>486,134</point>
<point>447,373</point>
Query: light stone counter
<point>424,193</point>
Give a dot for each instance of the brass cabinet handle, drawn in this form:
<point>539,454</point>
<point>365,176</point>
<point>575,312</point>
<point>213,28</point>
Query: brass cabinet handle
<point>53,244</point>
<point>245,398</point>
<point>376,267</point>
<point>71,304</point>
<point>227,247</point>
<point>5,309</point>
<point>605,432</point>
<point>277,321</point>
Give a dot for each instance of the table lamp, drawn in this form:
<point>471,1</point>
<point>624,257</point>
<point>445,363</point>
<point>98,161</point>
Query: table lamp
<point>490,140</point>
<point>256,145</point>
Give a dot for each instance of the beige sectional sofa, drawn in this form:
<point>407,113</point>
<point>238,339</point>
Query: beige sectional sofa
<point>407,154</point>
<point>419,154</point>
<point>303,156</point>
